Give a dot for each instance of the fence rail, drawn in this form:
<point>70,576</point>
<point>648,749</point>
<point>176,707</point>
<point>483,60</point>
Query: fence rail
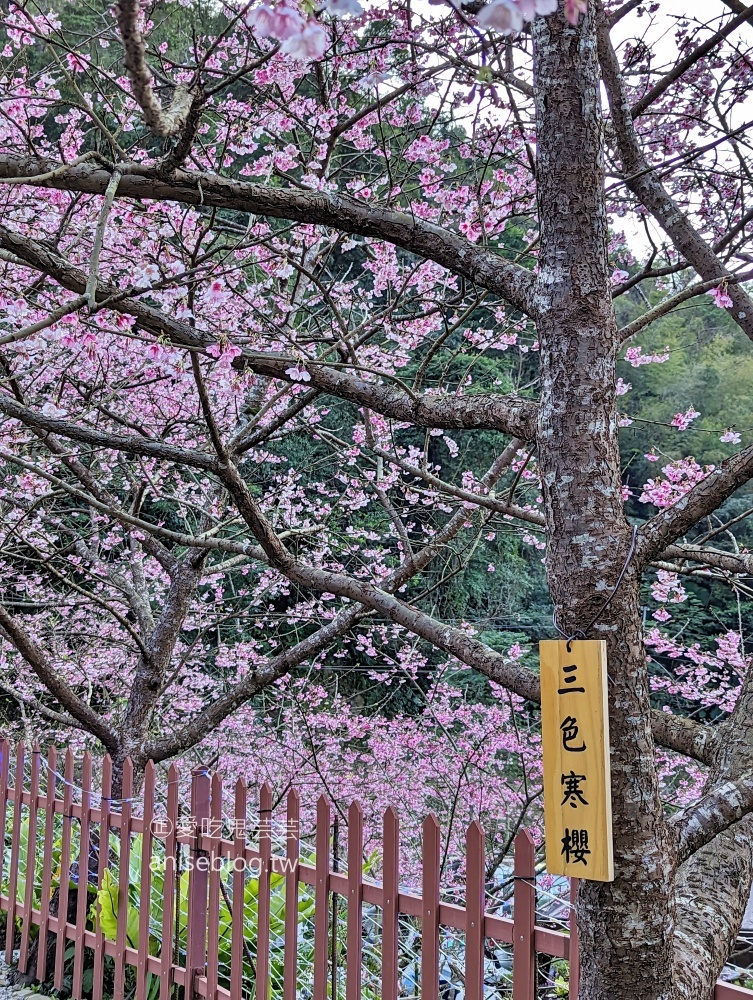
<point>169,903</point>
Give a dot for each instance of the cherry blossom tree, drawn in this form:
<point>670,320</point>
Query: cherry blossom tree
<point>230,232</point>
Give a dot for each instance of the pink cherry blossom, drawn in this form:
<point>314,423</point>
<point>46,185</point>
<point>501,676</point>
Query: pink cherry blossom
<point>51,410</point>
<point>282,21</point>
<point>681,476</point>
<point>262,21</point>
<point>574,8</point>
<point>667,587</point>
<point>224,352</point>
<point>730,437</point>
<point>721,297</point>
<point>635,357</point>
<point>683,420</point>
<point>216,290</point>
<point>76,63</point>
<point>245,290</point>
<point>310,44</point>
<point>504,16</point>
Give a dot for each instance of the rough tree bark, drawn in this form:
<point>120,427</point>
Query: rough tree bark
<point>625,926</point>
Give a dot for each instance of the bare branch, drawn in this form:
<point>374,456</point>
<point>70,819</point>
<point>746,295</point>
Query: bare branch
<point>684,736</point>
<point>99,238</point>
<point>159,121</point>
<point>643,181</point>
<point>668,303</point>
<point>489,500</point>
<point>691,59</point>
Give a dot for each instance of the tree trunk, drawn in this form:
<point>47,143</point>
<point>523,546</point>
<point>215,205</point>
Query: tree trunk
<point>626,926</point>
<point>714,884</point>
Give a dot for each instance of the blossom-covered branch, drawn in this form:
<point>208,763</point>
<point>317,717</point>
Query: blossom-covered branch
<point>704,498</point>
<point>484,266</point>
<point>510,414</point>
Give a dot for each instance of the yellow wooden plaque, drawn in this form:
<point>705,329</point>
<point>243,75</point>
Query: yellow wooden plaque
<point>575,737</point>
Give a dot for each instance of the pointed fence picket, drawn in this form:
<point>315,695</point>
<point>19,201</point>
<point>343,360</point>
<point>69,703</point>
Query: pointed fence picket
<point>292,854</point>
<point>65,841</point>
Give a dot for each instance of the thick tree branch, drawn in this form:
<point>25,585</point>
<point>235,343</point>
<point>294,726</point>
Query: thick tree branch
<point>716,811</point>
<point>453,641</point>
<point>738,563</point>
<point>623,11</point>
<point>684,736</point>
<point>485,267</point>
<point>151,669</point>
<point>230,701</point>
<point>208,720</point>
<point>128,444</point>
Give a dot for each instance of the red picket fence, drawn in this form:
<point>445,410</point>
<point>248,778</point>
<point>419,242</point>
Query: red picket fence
<point>166,926</point>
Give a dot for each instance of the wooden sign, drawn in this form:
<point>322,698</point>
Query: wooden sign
<point>575,737</point>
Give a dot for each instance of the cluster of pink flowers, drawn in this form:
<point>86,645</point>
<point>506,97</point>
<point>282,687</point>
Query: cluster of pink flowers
<point>683,420</point>
<point>730,437</point>
<point>457,758</point>
<point>681,476</point>
<point>700,677</point>
<point>635,357</point>
<point>509,16</point>
<point>302,39</point>
<point>622,387</point>
<point>667,588</point>
<point>721,297</point>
